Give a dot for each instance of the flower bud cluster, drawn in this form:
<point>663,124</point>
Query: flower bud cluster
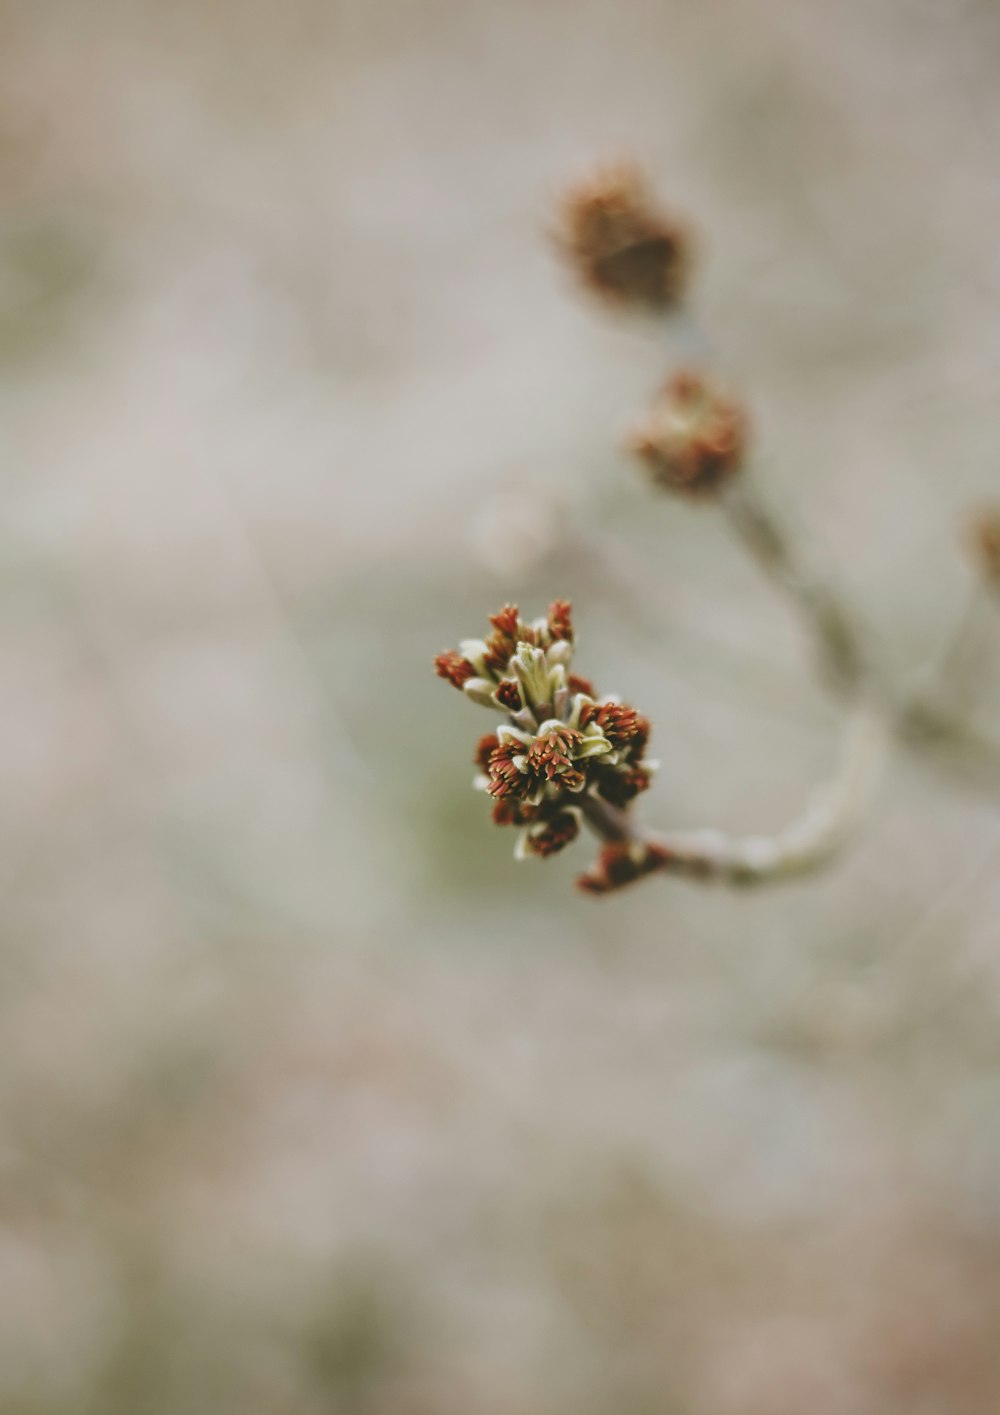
<point>559,743</point>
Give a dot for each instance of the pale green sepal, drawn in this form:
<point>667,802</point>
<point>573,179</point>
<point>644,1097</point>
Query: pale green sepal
<point>532,673</point>
<point>480,690</point>
<point>475,651</point>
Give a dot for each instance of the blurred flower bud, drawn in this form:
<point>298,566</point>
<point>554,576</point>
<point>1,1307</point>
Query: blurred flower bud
<point>985,542</point>
<point>693,438</point>
<point>619,243</point>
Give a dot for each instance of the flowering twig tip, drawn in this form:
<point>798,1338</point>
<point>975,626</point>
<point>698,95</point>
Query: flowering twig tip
<point>560,754</point>
<point>563,755</point>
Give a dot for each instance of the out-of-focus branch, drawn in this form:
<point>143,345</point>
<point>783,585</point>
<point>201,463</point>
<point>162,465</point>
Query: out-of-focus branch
<point>838,641</point>
<point>929,715</point>
<point>929,709</point>
<point>935,708</point>
<point>693,443</point>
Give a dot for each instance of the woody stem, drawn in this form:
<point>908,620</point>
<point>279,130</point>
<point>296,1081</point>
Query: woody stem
<point>933,707</point>
<point>608,822</point>
<point>806,844</point>
<point>809,841</point>
<point>928,715</point>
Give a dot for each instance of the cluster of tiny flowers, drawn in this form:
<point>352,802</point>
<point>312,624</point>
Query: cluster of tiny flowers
<point>560,741</point>
<point>620,245</point>
<point>693,439</point>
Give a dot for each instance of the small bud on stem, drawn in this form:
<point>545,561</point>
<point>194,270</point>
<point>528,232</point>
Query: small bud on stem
<point>693,439</point>
<point>620,245</point>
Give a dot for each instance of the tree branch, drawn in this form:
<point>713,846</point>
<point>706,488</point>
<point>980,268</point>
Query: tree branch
<point>806,844</point>
<point>838,642</point>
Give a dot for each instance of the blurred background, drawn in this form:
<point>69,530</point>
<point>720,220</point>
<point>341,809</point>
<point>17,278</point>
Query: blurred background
<point>312,1100</point>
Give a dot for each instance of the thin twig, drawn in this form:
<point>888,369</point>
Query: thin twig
<point>805,845</point>
<point>837,639</point>
<point>933,706</point>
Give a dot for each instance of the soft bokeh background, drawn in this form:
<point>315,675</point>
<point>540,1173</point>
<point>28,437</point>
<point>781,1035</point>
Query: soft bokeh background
<point>313,1102</point>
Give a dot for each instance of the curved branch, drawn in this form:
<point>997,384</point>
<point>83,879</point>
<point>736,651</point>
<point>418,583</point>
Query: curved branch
<point>933,710</point>
<point>806,844</point>
<point>928,714</point>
